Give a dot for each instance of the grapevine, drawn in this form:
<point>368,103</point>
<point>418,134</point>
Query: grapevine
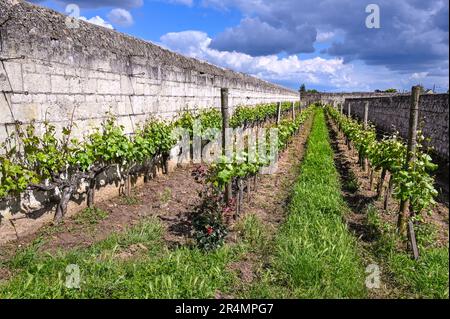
<point>410,181</point>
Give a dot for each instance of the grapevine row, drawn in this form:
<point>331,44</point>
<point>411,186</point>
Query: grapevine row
<point>409,181</point>
<point>46,162</point>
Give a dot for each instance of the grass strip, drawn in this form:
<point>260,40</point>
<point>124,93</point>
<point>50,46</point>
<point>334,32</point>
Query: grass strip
<point>315,255</point>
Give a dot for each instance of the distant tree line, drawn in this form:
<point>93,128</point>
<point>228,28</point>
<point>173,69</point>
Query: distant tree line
<point>304,90</point>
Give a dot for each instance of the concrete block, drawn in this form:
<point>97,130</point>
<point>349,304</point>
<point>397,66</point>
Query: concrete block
<point>60,84</point>
<point>125,85</point>
<point>89,86</point>
<point>108,87</point>
<point>27,112</point>
<point>75,85</point>
<point>12,76</point>
<point>39,98</point>
<point>6,116</point>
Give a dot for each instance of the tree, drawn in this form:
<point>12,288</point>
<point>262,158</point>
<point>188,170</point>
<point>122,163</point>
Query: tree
<point>391,90</point>
<point>302,88</point>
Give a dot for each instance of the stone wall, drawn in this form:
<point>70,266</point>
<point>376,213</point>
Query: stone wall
<point>50,71</point>
<point>392,114</point>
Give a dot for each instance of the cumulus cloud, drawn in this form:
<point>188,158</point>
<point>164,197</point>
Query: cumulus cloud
<point>418,75</point>
<point>291,70</point>
<point>258,38</point>
<point>121,17</point>
<point>273,68</point>
<point>413,34</point>
<point>97,21</point>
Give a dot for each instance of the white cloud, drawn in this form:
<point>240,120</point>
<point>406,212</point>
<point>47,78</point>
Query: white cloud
<point>97,21</point>
<point>418,75</point>
<point>325,36</point>
<point>332,73</point>
<point>291,68</point>
<point>413,37</point>
<point>121,17</point>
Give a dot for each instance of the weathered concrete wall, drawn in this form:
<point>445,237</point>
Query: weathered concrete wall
<point>392,114</point>
<point>48,69</point>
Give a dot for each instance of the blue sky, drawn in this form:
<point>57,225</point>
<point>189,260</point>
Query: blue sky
<point>322,43</point>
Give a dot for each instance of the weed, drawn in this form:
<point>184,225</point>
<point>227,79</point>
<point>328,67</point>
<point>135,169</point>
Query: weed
<point>253,232</point>
<point>351,183</point>
<point>130,200</point>
<point>166,195</point>
<point>90,216</point>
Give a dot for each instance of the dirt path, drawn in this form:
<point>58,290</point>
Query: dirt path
<point>358,200</point>
<point>274,191</point>
<point>170,198</point>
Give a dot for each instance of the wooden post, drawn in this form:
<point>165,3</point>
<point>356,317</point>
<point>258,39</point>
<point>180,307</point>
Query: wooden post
<point>410,156</point>
<point>388,194</point>
<point>300,102</point>
<point>225,127</point>
<point>413,241</point>
<point>293,111</point>
<point>349,115</point>
<point>372,173</point>
<point>342,108</point>
<point>278,112</point>
<point>241,193</point>
<point>366,114</point>
<point>238,199</point>
<point>380,186</point>
<point>366,122</point>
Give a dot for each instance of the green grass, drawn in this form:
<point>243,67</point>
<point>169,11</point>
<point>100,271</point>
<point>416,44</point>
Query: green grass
<point>254,233</point>
<point>351,184</point>
<point>90,216</point>
<point>152,271</point>
<point>130,200</point>
<point>315,255</point>
<point>426,278</point>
